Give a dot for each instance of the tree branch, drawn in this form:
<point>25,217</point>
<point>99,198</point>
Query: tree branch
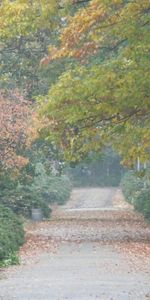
<point>76,2</point>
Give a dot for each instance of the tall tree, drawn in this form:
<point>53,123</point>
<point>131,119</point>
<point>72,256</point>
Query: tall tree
<point>105,98</point>
<point>26,31</point>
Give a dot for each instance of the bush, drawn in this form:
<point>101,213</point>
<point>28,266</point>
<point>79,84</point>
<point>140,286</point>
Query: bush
<point>137,191</point>
<point>59,190</point>
<point>43,190</point>
<point>142,202</point>
<point>23,199</point>
<point>130,185</point>
<point>11,233</point>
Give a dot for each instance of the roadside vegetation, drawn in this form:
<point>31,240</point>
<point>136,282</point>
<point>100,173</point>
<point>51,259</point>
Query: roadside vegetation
<point>136,189</point>
<point>37,185</point>
<point>11,236</point>
<point>16,203</point>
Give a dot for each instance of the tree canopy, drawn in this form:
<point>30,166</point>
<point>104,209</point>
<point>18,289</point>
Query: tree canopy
<point>105,97</point>
<point>94,55</point>
<point>20,18</point>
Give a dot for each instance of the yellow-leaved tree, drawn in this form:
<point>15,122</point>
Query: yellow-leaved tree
<point>104,98</point>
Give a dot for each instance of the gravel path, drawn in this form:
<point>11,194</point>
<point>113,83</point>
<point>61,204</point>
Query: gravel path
<point>94,247</point>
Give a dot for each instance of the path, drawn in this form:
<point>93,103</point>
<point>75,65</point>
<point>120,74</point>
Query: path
<point>95,247</point>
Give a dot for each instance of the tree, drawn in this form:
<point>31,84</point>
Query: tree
<point>20,18</point>
<point>97,169</point>
<point>105,98</point>
<point>14,115</point>
<point>27,28</point>
<point>26,42</point>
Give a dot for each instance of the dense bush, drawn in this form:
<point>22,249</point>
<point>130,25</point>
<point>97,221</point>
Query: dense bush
<point>141,202</point>
<point>11,233</point>
<point>137,191</point>
<point>43,190</point>
<point>131,184</point>
<point>22,198</point>
<point>59,190</point>
<point>52,188</point>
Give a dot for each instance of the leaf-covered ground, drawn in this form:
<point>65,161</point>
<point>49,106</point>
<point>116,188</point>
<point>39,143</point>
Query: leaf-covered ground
<point>95,247</point>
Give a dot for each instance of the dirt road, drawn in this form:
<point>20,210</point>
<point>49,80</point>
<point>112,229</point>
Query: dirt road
<point>94,247</point>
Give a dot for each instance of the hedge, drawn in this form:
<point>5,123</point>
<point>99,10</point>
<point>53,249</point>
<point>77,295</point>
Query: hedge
<point>59,190</point>
<point>44,190</point>
<point>22,200</point>
<point>141,202</point>
<point>11,233</point>
<point>137,192</point>
<point>131,184</point>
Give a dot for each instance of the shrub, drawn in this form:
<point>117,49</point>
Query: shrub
<point>142,202</point>
<point>23,199</point>
<point>137,191</point>
<point>59,190</point>
<point>130,184</point>
<point>11,233</point>
<point>43,190</point>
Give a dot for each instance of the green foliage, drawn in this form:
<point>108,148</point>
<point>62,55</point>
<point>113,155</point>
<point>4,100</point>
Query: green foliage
<point>105,97</point>
<point>21,53</point>
<point>23,199</point>
<point>27,28</point>
<point>20,59</point>
<point>137,191</point>
<point>20,18</point>
<point>97,71</point>
<point>37,191</point>
<point>20,67</point>
<point>59,190</point>
<point>141,202</point>
<point>52,188</point>
<point>12,259</point>
<point>131,184</point>
<point>11,235</point>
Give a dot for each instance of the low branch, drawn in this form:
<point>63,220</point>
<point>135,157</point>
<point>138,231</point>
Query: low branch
<point>74,2</point>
